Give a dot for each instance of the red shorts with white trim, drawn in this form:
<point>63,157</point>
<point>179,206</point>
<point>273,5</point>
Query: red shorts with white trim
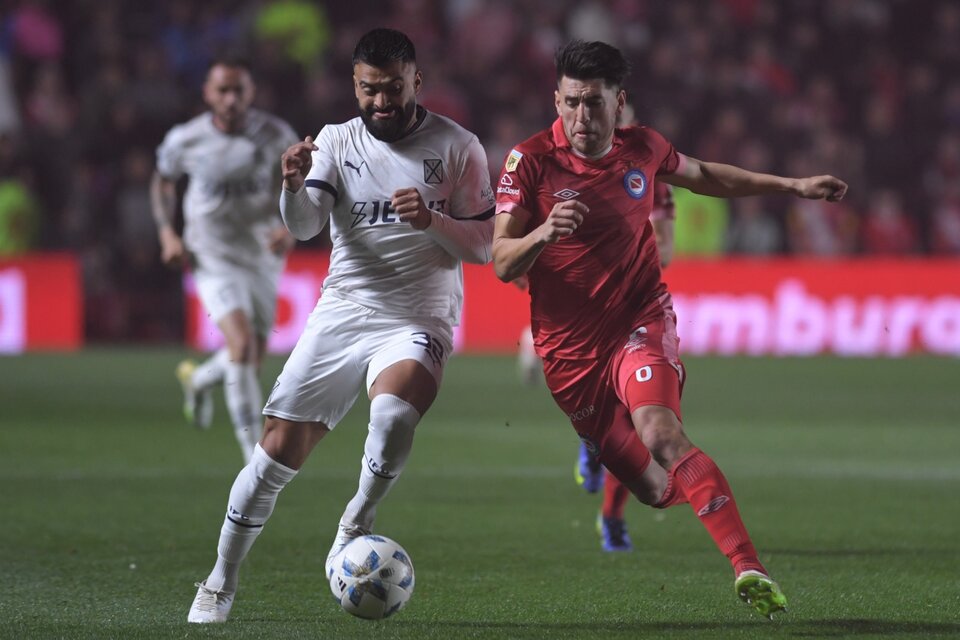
<point>598,395</point>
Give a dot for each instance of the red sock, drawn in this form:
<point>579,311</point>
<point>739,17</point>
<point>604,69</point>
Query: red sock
<point>671,495</point>
<point>615,496</point>
<point>702,482</point>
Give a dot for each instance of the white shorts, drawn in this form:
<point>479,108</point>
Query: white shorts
<point>345,345</point>
<point>224,287</point>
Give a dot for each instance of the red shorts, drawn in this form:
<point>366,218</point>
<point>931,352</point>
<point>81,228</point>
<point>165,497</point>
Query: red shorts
<point>598,395</point>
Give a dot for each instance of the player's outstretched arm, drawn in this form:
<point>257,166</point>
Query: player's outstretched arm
<point>728,181</point>
<point>163,205</point>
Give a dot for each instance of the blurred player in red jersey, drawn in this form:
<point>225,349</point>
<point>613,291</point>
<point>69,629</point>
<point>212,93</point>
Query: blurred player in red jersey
<point>573,203</point>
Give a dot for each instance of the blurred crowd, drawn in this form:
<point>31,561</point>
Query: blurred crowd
<point>868,90</point>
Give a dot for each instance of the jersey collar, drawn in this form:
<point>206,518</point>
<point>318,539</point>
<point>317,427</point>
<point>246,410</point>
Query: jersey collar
<point>421,116</point>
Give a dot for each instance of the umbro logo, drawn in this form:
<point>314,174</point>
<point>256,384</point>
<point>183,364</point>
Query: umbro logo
<point>566,194</point>
<point>713,505</point>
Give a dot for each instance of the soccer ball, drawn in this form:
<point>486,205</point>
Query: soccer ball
<point>372,577</point>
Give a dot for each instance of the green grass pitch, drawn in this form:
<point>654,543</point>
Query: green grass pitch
<point>847,473</point>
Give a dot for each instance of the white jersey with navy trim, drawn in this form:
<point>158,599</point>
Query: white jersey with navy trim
<point>231,199</point>
<point>377,260</point>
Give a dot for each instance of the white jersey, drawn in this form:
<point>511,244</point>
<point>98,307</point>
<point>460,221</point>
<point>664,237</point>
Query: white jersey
<point>377,260</point>
<point>230,204</point>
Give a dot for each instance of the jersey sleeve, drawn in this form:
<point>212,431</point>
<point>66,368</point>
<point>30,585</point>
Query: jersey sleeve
<point>323,175</point>
<point>670,159</point>
<point>517,184</point>
<point>472,196</point>
<point>170,154</point>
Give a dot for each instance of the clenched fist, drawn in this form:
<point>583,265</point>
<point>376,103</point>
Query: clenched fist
<point>295,163</point>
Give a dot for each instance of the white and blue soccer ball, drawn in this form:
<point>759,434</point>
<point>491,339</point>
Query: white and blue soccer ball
<point>372,577</point>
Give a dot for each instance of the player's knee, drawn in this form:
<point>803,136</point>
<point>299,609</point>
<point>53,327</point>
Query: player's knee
<point>243,348</point>
<point>649,488</point>
<point>390,434</point>
<point>660,431</point>
<point>289,443</point>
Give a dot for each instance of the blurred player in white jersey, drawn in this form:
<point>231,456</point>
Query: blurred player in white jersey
<point>234,239</point>
<point>408,197</point>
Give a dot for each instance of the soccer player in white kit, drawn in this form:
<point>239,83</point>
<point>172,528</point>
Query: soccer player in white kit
<point>234,239</point>
<point>407,193</point>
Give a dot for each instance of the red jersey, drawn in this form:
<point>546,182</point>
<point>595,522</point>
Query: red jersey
<point>588,291</point>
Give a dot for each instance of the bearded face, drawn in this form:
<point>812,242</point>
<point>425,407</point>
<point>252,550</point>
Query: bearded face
<point>389,124</point>
<point>387,98</point>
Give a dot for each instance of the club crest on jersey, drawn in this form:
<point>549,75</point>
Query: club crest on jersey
<point>635,183</point>
<point>513,160</point>
<point>433,171</point>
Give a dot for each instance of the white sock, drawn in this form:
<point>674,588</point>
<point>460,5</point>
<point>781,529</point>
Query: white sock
<point>211,371</point>
<point>244,402</point>
<point>385,453</point>
<point>252,499</point>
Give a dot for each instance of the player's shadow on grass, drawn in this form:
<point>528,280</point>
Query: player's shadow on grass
<point>599,629</point>
<point>784,627</point>
<point>859,626</point>
<point>852,553</point>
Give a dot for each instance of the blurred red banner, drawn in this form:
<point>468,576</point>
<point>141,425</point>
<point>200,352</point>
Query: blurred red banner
<point>856,307</point>
<point>41,303</point>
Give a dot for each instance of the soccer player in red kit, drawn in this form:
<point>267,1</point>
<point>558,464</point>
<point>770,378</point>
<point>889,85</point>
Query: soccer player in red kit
<point>588,472</point>
<point>573,209</point>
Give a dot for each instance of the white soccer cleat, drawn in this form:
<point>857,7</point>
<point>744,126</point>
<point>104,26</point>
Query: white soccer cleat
<point>209,606</point>
<point>197,404</point>
<point>345,533</point>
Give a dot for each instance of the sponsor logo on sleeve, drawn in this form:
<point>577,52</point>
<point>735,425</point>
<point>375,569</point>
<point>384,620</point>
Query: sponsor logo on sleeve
<point>486,193</point>
<point>506,186</point>
<point>513,160</point>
